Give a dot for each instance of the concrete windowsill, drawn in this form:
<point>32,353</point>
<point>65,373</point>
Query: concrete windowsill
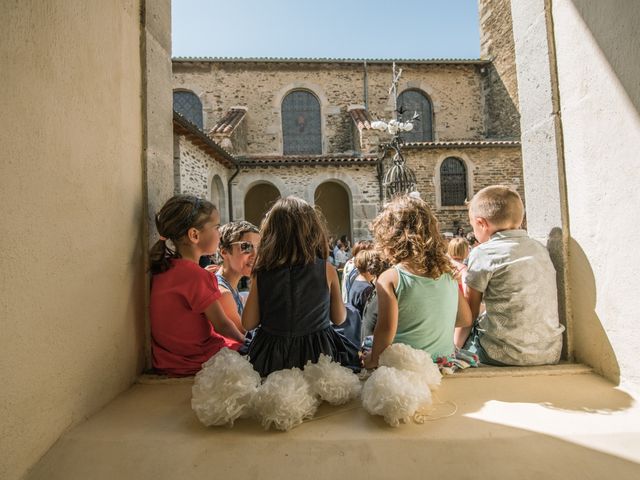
<point>552,423</point>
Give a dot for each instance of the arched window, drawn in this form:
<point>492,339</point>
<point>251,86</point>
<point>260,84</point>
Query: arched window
<point>189,106</point>
<point>410,102</point>
<point>453,182</point>
<point>301,124</point>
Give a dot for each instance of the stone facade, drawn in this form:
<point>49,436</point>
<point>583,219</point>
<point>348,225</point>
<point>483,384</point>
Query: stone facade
<point>360,182</point>
<point>455,90</point>
<point>502,119</point>
<point>459,93</point>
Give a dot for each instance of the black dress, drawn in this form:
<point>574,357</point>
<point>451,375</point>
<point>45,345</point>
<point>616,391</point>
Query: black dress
<point>295,323</point>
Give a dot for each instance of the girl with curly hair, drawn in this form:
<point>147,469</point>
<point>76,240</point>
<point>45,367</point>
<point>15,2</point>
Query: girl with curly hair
<point>419,302</point>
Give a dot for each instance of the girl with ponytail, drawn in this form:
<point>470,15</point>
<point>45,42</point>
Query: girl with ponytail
<point>188,325</point>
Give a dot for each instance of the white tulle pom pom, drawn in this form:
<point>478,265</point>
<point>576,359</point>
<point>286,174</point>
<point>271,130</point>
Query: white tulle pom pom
<point>223,389</point>
<point>394,394</point>
<point>378,125</point>
<point>331,381</point>
<point>284,400</point>
<point>404,357</point>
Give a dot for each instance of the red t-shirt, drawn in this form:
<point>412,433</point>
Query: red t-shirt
<point>182,338</point>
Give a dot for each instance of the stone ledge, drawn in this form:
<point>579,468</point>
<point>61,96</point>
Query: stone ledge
<point>483,371</point>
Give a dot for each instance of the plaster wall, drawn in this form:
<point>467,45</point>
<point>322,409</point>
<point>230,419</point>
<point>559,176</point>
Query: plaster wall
<point>72,201</point>
<point>599,91</point>
<point>456,93</point>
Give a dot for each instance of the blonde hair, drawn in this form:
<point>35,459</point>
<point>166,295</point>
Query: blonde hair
<point>458,248</point>
<point>407,231</point>
<point>499,204</point>
<point>292,233</point>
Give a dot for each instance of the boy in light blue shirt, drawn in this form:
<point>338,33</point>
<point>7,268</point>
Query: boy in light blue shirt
<point>515,278</point>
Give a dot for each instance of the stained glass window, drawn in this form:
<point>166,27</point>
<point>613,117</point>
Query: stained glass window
<point>414,101</point>
<point>301,130</point>
<point>189,106</point>
<point>453,182</point>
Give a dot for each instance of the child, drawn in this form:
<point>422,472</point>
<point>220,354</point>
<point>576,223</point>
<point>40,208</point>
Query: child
<point>514,276</point>
<point>349,272</point>
<point>366,262</point>
<point>458,250</point>
<point>188,324</point>
<point>295,293</point>
<point>419,302</point>
<point>238,248</point>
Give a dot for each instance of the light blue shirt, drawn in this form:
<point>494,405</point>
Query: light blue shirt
<point>518,282</point>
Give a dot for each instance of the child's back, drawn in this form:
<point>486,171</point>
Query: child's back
<point>518,282</point>
<point>427,311</point>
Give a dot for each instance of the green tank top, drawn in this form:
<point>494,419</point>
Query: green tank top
<point>427,310</point>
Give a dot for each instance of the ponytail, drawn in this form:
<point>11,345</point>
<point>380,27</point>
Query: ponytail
<point>176,217</point>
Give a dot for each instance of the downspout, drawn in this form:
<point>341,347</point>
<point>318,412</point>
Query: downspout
<point>366,86</point>
<point>230,194</point>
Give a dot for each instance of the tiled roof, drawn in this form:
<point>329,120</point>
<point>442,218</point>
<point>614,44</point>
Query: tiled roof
<point>361,118</point>
<point>229,122</point>
<point>434,61</point>
<point>182,126</point>
<point>463,144</point>
<point>289,160</point>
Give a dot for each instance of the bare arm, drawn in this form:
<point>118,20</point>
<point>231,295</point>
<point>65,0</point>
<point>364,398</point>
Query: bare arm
<point>387,324</point>
<point>230,308</point>
<point>223,325</point>
<point>463,318</point>
<point>474,298</point>
<point>251,312</point>
<point>338,312</point>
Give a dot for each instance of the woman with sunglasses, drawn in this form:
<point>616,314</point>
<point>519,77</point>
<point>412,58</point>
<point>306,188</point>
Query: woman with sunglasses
<point>238,247</point>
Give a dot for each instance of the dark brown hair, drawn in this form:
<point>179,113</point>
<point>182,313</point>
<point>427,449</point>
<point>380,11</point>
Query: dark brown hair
<point>407,232</point>
<point>173,221</point>
<point>233,232</point>
<point>292,233</point>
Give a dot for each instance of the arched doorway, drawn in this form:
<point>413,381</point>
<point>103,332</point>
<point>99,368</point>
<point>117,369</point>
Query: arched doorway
<point>218,198</point>
<point>333,201</point>
<point>258,200</point>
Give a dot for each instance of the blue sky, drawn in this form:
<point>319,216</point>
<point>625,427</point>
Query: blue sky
<point>326,28</point>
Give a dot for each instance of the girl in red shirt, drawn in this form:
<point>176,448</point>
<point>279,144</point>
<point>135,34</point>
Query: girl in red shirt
<point>188,325</point>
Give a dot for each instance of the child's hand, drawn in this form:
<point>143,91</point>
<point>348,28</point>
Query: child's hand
<point>212,268</point>
<point>367,361</point>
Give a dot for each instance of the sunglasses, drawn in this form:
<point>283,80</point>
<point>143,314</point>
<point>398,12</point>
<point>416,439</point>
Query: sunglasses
<point>245,247</point>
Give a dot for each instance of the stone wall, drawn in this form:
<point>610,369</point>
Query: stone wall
<point>486,166</point>
<point>360,181</point>
<point>456,91</point>
<point>195,174</point>
<point>502,119</point>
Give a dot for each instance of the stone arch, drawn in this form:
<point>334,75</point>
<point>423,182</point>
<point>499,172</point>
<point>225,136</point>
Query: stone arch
<point>249,180</point>
<point>468,164</point>
<point>258,200</point>
<point>347,183</point>
<point>310,87</point>
<point>218,197</point>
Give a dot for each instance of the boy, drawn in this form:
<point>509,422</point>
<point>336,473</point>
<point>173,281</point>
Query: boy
<point>514,276</point>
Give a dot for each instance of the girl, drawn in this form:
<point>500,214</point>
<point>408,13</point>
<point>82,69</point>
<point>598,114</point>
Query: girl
<point>367,263</point>
<point>295,293</point>
<point>188,324</point>
<point>458,251</point>
<point>419,302</point>
<point>238,248</point>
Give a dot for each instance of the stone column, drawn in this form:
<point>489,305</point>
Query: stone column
<point>542,149</point>
<point>157,115</point>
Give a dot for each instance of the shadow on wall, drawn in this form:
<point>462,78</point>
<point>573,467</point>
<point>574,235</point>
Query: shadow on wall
<point>590,340</point>
<point>502,115</point>
<point>609,22</point>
